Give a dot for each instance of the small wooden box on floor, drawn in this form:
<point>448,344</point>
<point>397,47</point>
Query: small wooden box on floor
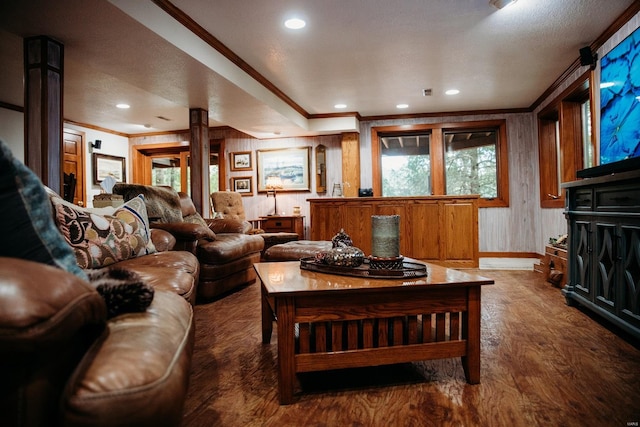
<point>554,265</point>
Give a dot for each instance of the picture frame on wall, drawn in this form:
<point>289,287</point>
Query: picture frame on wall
<point>242,185</point>
<point>241,161</point>
<point>105,165</point>
<point>291,165</point>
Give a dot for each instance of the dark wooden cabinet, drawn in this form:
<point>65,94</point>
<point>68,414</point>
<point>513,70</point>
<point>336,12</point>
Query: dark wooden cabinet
<point>438,229</point>
<point>281,223</point>
<point>603,216</point>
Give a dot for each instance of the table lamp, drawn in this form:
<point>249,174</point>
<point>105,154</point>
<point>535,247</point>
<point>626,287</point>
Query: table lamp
<point>273,183</point>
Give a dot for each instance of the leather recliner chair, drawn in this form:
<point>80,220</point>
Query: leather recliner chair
<point>224,247</point>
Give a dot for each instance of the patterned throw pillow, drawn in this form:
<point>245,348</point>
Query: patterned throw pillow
<point>100,237</point>
<point>27,228</point>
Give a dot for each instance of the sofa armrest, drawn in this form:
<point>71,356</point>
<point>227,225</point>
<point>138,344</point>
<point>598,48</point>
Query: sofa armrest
<point>49,318</point>
<point>43,306</point>
<point>187,234</point>
<point>229,225</point>
<point>162,240</point>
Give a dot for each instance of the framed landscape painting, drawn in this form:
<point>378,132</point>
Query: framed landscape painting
<point>105,165</point>
<point>241,161</point>
<point>291,165</point>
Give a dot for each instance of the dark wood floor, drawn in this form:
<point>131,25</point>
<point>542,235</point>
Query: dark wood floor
<point>543,364</point>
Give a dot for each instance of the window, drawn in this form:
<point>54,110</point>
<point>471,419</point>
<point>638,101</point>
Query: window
<point>406,166</point>
<point>587,140</point>
<point>168,164</point>
<point>455,159</point>
<point>471,162</point>
<point>565,141</point>
<point>165,170</point>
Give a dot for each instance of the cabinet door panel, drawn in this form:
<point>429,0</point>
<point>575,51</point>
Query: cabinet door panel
<point>606,258</point>
<point>356,220</point>
<point>326,221</point>
<point>582,243</point>
<point>630,280</point>
<point>424,225</point>
<point>459,220</point>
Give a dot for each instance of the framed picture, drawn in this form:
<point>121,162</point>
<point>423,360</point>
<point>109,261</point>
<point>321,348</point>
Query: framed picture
<point>291,165</point>
<point>105,165</point>
<point>242,185</point>
<point>241,161</point>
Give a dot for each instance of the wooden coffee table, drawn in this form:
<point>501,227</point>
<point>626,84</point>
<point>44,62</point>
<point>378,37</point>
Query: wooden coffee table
<point>327,321</point>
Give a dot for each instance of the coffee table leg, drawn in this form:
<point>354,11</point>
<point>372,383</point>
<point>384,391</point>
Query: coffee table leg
<point>471,331</point>
<point>267,317</point>
<point>286,349</point>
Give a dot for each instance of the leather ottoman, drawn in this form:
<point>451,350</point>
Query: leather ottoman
<point>293,251</point>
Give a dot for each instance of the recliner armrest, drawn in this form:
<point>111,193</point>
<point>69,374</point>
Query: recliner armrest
<point>229,225</point>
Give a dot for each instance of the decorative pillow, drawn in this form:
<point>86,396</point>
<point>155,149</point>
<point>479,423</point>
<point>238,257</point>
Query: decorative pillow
<point>26,222</point>
<point>99,239</point>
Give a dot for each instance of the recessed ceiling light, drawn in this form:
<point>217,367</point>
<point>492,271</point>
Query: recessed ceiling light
<point>501,3</point>
<point>340,106</point>
<point>295,23</point>
<point>123,106</point>
<point>452,92</point>
<point>402,106</point>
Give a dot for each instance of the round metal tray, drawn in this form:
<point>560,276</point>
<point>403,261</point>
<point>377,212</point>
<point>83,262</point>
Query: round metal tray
<point>409,269</point>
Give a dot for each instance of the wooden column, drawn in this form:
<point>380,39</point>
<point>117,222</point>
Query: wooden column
<point>350,164</point>
<point>199,150</point>
<point>43,84</point>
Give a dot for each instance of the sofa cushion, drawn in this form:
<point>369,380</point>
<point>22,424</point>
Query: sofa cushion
<point>26,222</point>
<point>230,225</point>
<point>229,247</point>
<point>163,203</point>
<point>100,237</point>
<point>176,271</point>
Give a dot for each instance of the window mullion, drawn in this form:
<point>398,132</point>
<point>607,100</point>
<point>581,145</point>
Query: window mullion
<point>437,162</point>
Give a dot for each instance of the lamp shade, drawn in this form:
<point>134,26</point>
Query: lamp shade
<point>273,182</point>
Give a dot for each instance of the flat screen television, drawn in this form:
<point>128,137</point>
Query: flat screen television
<point>619,109</point>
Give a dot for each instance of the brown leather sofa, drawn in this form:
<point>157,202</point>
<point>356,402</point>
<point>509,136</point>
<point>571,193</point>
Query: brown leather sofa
<point>225,247</point>
<point>62,362</point>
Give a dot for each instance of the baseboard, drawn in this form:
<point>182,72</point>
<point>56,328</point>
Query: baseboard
<point>509,260</point>
<point>510,255</point>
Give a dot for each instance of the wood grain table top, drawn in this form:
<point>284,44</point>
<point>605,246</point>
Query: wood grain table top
<point>283,278</point>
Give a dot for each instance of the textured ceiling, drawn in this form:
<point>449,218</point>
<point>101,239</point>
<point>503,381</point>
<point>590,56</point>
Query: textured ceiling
<point>367,54</point>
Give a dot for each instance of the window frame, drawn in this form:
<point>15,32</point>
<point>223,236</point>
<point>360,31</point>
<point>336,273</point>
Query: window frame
<point>559,162</point>
<point>437,155</point>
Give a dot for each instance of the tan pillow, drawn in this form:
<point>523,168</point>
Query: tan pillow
<point>100,237</point>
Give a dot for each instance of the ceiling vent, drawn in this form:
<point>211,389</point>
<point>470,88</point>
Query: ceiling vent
<point>426,92</point>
